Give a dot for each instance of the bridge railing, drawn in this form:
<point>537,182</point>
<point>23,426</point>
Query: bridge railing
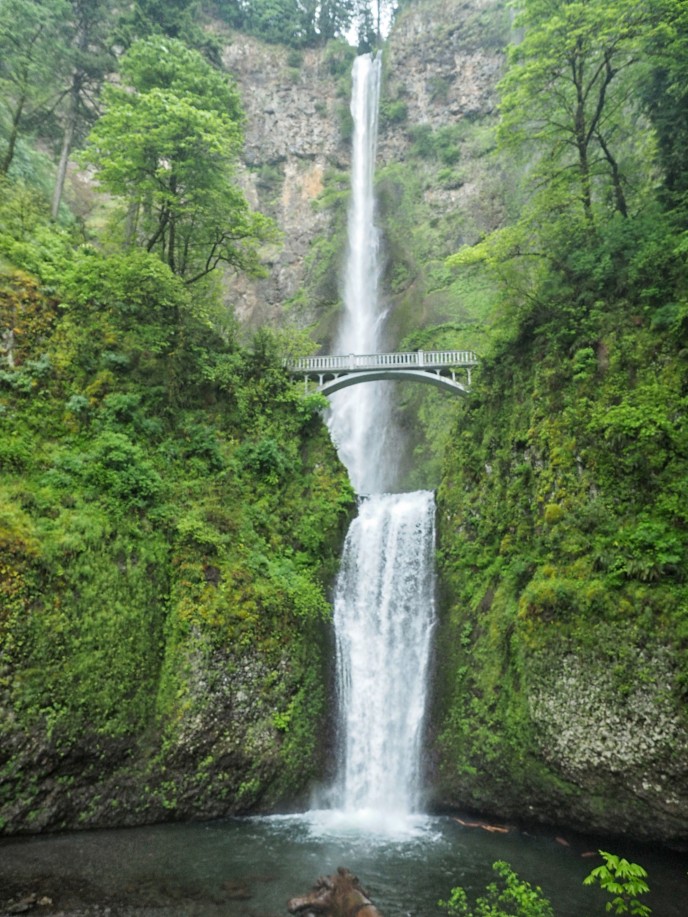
<point>422,359</point>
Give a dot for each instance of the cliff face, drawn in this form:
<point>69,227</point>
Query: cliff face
<point>561,675</point>
<point>441,63</point>
<point>444,59</point>
<point>561,686</point>
<point>166,546</point>
<point>293,136</point>
<point>559,692</point>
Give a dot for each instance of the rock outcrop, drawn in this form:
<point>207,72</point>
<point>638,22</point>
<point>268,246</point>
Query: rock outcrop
<point>442,61</point>
<point>340,895</point>
<point>292,137</point>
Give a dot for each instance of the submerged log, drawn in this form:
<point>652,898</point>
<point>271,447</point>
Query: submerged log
<point>340,895</point>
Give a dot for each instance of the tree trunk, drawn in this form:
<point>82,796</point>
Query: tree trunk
<point>131,223</point>
<point>581,132</point>
<point>68,137</point>
<point>14,133</point>
<point>584,171</point>
<point>619,196</point>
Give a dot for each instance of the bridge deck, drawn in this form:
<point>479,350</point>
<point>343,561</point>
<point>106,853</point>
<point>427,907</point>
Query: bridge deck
<point>351,363</point>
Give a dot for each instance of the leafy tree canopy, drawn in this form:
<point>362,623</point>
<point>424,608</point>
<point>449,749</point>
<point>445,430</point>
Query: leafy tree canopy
<point>167,145</point>
<point>299,23</point>
<point>173,18</point>
<point>590,219</point>
<point>566,90</point>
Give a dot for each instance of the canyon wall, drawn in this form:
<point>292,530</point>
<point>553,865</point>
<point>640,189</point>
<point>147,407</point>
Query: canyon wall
<point>441,64</point>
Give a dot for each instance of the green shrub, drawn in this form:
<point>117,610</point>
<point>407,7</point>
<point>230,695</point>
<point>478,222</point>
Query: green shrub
<point>265,458</point>
<point>393,113</point>
<point>510,896</point>
<point>117,467</point>
<point>622,880</point>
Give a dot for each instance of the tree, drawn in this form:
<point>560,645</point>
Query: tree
<point>172,18</point>
<point>32,52</point>
<point>90,58</point>
<point>570,101</point>
<point>299,23</point>
<point>167,144</point>
<point>665,90</point>
<point>565,91</point>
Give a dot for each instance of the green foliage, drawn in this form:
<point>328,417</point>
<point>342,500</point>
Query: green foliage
<point>28,240</point>
<point>167,496</point>
<point>624,881</point>
<point>564,91</point>
<point>171,509</point>
<point>392,112</point>
<point>442,144</point>
<point>114,466</point>
<point>32,55</point>
<point>663,85</point>
<point>510,896</point>
<point>286,22</point>
<point>265,459</point>
<point>173,18</point>
<point>166,145</point>
<point>339,57</point>
<point>562,529</point>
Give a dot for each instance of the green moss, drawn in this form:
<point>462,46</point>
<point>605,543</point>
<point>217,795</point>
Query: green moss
<point>165,547</point>
<point>561,535</point>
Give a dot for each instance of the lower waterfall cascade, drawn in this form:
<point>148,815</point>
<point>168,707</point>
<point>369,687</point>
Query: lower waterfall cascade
<point>384,615</point>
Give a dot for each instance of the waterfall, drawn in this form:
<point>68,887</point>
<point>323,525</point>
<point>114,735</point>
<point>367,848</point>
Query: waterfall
<point>359,420</point>
<point>384,596</point>
<point>384,611</point>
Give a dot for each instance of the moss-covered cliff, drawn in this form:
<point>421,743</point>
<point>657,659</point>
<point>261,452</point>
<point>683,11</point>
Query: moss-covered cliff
<point>561,694</point>
<point>171,508</point>
<point>561,689</point>
<point>171,513</point>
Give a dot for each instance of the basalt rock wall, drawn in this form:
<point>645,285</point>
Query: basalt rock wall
<point>441,64</point>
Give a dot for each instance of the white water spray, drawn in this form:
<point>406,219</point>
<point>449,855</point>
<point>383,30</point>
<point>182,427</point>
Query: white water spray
<point>383,621</point>
<point>360,417</point>
<point>384,600</point>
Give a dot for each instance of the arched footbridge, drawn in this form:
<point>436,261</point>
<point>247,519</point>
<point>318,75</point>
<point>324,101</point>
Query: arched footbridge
<point>446,369</point>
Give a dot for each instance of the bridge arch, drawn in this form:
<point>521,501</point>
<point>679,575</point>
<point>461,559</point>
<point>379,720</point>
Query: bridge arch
<point>410,375</point>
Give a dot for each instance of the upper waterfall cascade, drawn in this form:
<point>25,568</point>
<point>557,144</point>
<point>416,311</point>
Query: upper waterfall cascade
<point>360,418</point>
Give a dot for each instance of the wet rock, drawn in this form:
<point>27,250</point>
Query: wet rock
<point>340,895</point>
<point>236,891</point>
<point>23,906</point>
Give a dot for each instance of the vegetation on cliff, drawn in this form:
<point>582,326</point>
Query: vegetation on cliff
<point>563,545</point>
<point>171,508</point>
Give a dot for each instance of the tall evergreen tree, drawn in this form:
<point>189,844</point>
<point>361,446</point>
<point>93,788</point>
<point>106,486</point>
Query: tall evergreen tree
<point>90,58</point>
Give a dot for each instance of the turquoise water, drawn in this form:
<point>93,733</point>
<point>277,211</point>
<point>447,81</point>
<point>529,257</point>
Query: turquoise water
<point>251,867</point>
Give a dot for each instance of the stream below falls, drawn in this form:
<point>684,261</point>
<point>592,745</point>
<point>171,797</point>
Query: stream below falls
<point>251,867</point>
